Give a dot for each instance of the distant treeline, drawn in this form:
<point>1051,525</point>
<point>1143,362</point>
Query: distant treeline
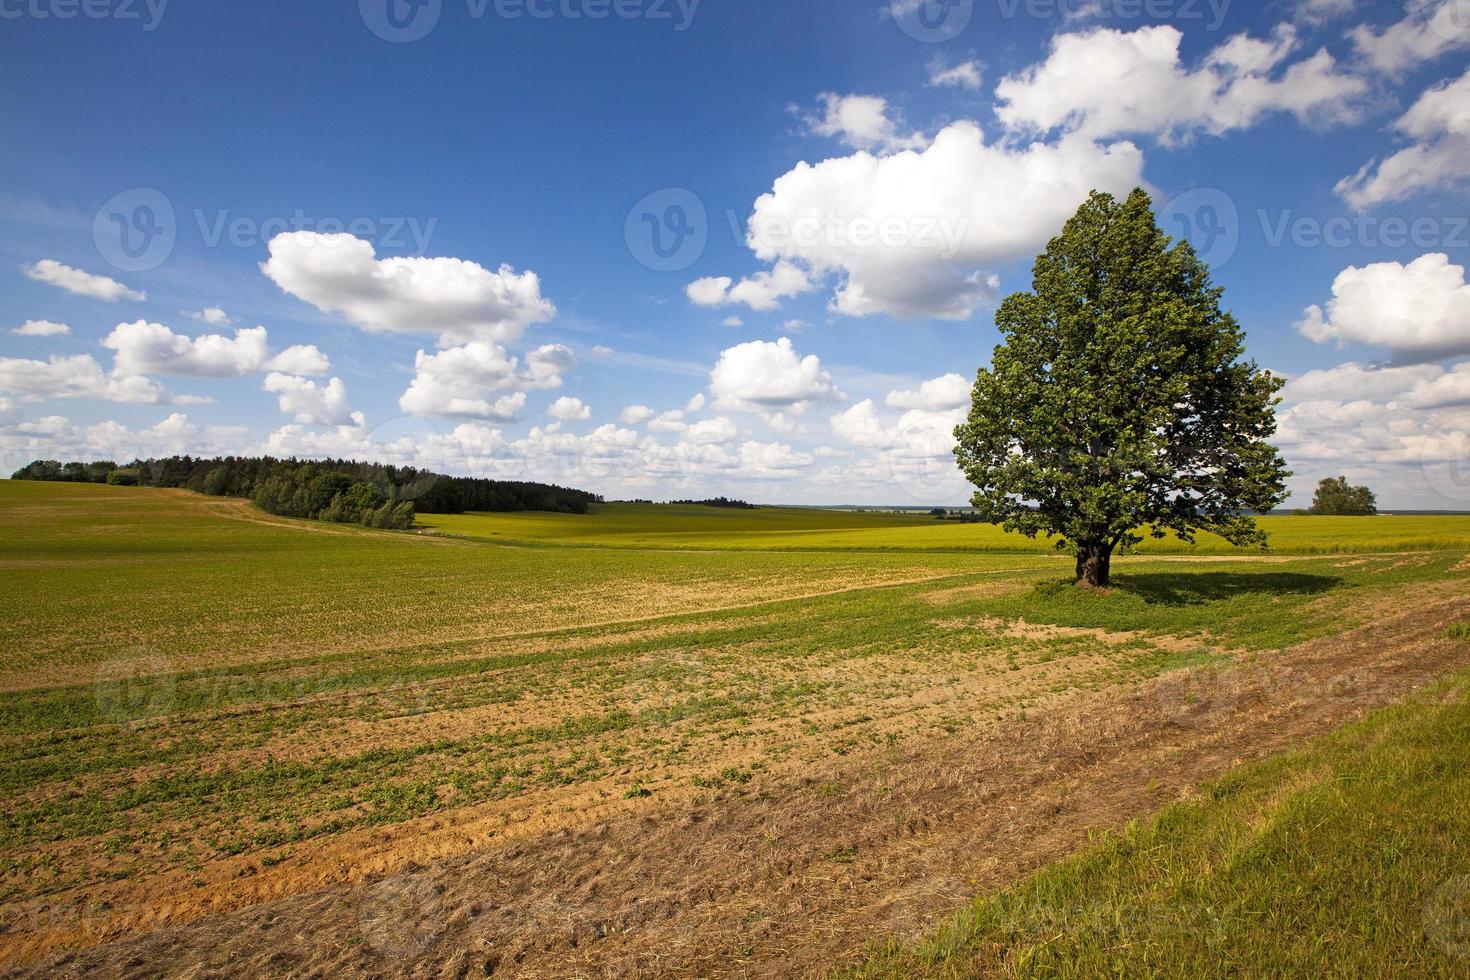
<point>717,502</point>
<point>963,516</point>
<point>339,490</point>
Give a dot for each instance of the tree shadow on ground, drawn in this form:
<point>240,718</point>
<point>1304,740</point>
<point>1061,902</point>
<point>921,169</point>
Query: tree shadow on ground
<point>1197,588</point>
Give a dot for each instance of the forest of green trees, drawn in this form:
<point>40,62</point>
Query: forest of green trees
<point>345,491</point>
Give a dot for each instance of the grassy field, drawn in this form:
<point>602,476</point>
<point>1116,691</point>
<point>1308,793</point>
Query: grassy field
<point>1347,857</point>
<point>205,710</point>
<point>797,529</point>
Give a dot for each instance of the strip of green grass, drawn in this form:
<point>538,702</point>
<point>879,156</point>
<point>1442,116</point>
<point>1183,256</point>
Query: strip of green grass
<point>1350,857</point>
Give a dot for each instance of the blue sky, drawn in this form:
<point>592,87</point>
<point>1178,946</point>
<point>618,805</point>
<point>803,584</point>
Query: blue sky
<point>446,228</point>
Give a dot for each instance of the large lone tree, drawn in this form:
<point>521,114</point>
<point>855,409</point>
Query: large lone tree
<point>1119,399</point>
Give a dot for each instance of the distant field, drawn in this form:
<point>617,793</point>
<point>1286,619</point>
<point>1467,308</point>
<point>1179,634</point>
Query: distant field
<point>643,739</point>
<point>654,526</point>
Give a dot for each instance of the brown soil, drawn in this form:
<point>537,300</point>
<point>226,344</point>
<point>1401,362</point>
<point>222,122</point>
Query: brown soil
<point>911,709</point>
<point>1021,630</point>
<point>796,872</point>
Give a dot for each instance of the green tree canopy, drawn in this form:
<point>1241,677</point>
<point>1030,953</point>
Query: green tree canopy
<point>1336,496</point>
<point>1119,398</point>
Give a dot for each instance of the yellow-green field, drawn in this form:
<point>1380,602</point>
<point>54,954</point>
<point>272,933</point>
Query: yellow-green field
<point>687,741</point>
<point>656,526</point>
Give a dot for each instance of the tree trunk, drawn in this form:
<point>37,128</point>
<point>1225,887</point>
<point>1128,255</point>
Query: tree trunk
<point>1094,565</point>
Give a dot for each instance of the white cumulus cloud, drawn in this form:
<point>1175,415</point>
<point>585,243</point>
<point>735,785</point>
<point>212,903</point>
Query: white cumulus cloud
<point>910,233</point>
<point>212,315</point>
<point>80,282</point>
<point>1420,311</point>
<point>1451,389</point>
<point>966,74</point>
<point>1321,11</point>
<point>1429,29</point>
<point>711,432</point>
<point>310,403</point>
<point>77,376</point>
<point>41,328</point>
<point>912,455</point>
<point>151,348</point>
<point>670,421</point>
<point>1350,381</point>
<point>1108,83</point>
<point>948,391</point>
<point>568,409</point>
<point>770,379</point>
<point>457,299</point>
<point>461,381</point>
<point>1437,157</point>
<point>861,122</point>
<point>761,292</point>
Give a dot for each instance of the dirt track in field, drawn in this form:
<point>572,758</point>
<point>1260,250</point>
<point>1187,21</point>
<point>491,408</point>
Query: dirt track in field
<point>791,874</point>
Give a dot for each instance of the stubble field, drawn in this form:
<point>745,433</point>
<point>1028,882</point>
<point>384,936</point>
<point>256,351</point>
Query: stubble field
<point>648,740</point>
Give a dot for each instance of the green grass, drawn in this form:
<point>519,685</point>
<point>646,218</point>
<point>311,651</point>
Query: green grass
<point>1349,857</point>
<point>654,526</point>
<point>186,681</point>
<point>90,572</point>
